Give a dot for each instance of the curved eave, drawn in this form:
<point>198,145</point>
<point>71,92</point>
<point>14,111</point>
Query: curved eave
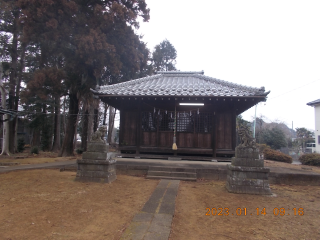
<point>314,103</point>
<point>177,96</point>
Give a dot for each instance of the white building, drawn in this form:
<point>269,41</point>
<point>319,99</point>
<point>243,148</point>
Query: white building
<point>316,105</point>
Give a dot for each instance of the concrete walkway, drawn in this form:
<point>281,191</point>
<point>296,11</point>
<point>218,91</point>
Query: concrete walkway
<point>154,220</point>
<point>61,164</point>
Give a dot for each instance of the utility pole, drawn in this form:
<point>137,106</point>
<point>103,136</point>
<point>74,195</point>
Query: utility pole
<point>254,123</point>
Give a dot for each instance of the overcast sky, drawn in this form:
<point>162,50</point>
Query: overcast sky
<point>274,43</point>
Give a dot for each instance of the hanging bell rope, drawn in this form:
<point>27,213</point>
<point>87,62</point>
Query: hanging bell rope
<point>174,145</point>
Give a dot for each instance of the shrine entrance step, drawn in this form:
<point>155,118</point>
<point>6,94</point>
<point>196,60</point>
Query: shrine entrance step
<point>185,174</point>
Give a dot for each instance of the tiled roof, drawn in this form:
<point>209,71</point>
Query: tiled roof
<point>176,83</point>
<point>314,102</point>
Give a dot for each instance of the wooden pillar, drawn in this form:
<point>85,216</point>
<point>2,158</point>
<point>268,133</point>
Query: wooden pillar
<point>175,127</point>
<point>214,134</point>
<point>195,134</point>
<point>121,130</point>
<point>138,128</point>
<point>158,133</point>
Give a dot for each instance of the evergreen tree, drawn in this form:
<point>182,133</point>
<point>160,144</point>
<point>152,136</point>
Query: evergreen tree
<point>12,49</point>
<point>164,57</point>
<point>303,136</point>
<point>72,46</point>
<point>275,138</point>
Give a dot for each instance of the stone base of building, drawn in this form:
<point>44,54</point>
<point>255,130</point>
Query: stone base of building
<point>94,166</point>
<point>247,173</point>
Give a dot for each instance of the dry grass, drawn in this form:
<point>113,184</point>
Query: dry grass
<point>48,204</point>
<point>194,220</point>
<point>270,163</point>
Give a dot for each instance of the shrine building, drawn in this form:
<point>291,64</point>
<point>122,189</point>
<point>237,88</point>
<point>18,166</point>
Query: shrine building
<point>199,111</point>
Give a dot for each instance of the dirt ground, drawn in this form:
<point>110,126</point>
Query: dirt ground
<point>195,219</point>
<point>48,204</point>
<point>269,163</point>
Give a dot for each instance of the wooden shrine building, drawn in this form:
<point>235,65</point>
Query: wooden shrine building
<point>201,111</point>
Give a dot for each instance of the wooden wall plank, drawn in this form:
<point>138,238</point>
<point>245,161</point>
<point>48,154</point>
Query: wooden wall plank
<point>214,136</point>
<point>234,123</point>
<point>189,139</point>
<point>165,139</point>
<point>145,138</point>
<point>228,131</point>
<point>207,140</point>
<point>220,132</point>
<point>138,128</point>
<point>153,139</point>
<point>224,131</point>
<point>200,140</point>
<point>121,130</point>
<point>130,122</point>
<point>181,140</point>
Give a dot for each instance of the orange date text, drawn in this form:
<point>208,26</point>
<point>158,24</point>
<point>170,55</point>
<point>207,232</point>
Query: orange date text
<point>254,212</point>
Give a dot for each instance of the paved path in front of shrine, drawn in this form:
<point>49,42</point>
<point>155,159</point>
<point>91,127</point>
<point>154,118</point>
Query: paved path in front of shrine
<point>153,222</point>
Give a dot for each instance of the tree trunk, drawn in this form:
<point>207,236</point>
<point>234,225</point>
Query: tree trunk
<point>52,120</point>
<point>75,132</point>
<point>112,114</point>
<point>13,80</point>
<point>16,122</point>
<point>18,83</point>
<point>67,145</point>
<point>105,114</point>
<point>46,133</point>
<point>5,138</point>
<point>90,124</point>
<point>95,119</point>
<point>56,128</point>
<point>84,136</point>
<point>36,137</point>
<point>64,117</point>
<point>36,129</point>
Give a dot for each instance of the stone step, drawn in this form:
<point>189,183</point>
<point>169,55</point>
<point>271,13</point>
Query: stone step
<point>172,178</point>
<point>171,169</point>
<point>172,174</point>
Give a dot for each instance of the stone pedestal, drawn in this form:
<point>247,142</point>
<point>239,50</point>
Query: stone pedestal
<point>94,165</point>
<point>247,173</point>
